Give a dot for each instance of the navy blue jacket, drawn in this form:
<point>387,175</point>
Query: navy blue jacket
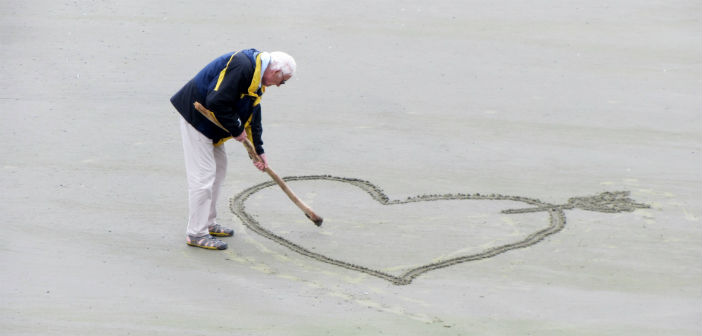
<point>229,87</point>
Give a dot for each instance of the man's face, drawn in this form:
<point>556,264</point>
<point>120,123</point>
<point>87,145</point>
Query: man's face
<point>274,78</point>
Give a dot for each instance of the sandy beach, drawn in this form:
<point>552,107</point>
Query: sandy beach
<point>465,155</point>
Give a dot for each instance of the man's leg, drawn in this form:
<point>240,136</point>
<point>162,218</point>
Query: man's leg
<point>220,156</point>
<point>221,163</point>
<point>200,167</point>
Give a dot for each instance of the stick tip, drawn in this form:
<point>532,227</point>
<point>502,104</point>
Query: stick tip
<point>315,219</point>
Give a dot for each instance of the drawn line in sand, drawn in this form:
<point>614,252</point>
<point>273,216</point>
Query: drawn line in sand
<point>608,202</point>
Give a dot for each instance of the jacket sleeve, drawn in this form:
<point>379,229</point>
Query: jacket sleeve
<point>226,93</point>
<point>257,129</point>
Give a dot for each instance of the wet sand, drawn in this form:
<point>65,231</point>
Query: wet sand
<point>473,126</point>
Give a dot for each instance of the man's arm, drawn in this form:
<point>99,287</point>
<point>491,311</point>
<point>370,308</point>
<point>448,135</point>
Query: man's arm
<point>257,129</point>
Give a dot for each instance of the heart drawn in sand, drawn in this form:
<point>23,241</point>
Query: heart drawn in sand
<point>606,202</point>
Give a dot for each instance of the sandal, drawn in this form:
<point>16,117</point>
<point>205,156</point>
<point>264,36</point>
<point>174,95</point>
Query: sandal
<point>206,242</point>
<point>220,231</point>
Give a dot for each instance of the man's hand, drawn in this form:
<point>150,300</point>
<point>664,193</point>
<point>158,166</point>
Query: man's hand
<point>263,164</point>
<point>241,136</point>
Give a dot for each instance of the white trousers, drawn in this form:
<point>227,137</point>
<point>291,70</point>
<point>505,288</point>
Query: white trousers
<point>206,167</point>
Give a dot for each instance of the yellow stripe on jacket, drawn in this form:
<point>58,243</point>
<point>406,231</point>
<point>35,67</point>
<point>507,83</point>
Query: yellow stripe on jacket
<point>247,128</point>
<point>256,83</point>
<point>224,71</point>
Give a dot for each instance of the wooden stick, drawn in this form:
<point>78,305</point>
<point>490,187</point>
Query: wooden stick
<point>254,156</point>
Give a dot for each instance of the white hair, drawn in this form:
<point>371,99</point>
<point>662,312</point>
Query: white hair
<point>282,61</point>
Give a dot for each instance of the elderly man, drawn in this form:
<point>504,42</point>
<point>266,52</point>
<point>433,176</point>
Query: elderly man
<point>230,87</point>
